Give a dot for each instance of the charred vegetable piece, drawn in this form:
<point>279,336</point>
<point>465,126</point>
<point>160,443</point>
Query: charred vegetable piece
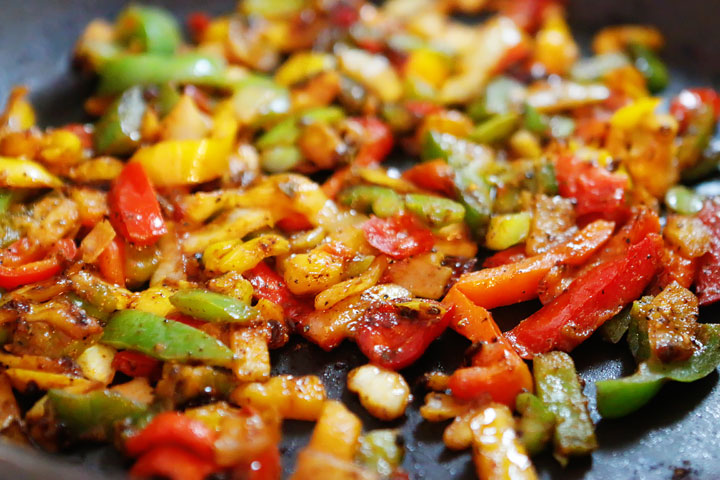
<point>121,73</point>
<point>163,339</point>
<point>212,307</point>
<point>118,131</point>
<point>559,387</point>
<point>148,29</point>
<point>536,424</point>
<point>434,211</point>
<point>399,236</point>
<point>92,415</point>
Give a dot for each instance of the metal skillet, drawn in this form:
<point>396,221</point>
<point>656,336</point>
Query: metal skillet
<point>676,436</point>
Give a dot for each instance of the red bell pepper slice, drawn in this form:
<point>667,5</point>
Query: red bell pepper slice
<point>134,209</point>
<point>269,285</point>
<point>595,190</point>
<point>173,463</point>
<point>266,466</point>
<point>675,268</point>
<point>377,141</point>
<point>708,277</point>
<point>590,300</point>
<point>400,236</point>
<point>394,341</point>
<point>436,175</point>
<point>496,370</point>
<point>197,23</point>
<point>22,262</point>
<point>519,281</point>
<point>527,14</point>
<point>136,364</point>
<point>111,262</point>
<point>83,132</point>
<point>173,429</point>
<point>294,222</point>
<point>422,108</point>
<point>684,106</point>
<point>504,257</point>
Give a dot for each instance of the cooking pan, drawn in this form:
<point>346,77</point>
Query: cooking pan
<point>676,436</point>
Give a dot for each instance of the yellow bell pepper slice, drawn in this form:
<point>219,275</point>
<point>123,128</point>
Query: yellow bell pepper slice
<point>21,173</point>
<point>631,115</point>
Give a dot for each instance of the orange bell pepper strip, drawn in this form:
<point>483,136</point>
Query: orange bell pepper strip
<point>111,262</point>
<point>503,257</point>
<point>496,369</point>
<point>591,299</point>
<point>173,429</point>
<point>469,320</point>
<point>436,176</point>
<point>173,463</point>
<point>518,282</point>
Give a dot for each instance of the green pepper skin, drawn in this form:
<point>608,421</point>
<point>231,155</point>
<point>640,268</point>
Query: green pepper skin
<point>164,339</point>
<point>380,452</point>
<point>536,424</point>
<point>496,129</point>
<point>92,415</point>
<point>653,69</point>
<point>118,131</point>
<point>280,158</point>
<point>384,202</point>
<point>619,397</point>
<point>558,386</point>
<point>88,307</point>
<point>123,72</point>
<point>614,329</point>
<point>435,211</point>
<point>152,29</point>
<point>329,115</point>
<point>476,195</point>
<point>5,200</point>
<point>534,120</point>
<point>213,307</point>
<point>284,133</point>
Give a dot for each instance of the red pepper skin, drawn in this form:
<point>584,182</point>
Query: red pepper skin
<point>134,209</point>
<point>708,276</point>
<point>269,285</point>
<point>504,257</point>
<point>687,102</point>
<point>187,320</point>
<point>377,143</point>
<point>20,263</point>
<point>173,463</point>
<point>136,364</point>
<point>173,429</point>
<point>422,108</point>
<point>436,175</point>
<point>393,341</point>
<point>294,223</point>
<point>496,370</point>
<point>528,14</point>
<point>595,190</point>
<point>266,466</point>
<point>111,262</point>
<point>197,23</point>
<point>83,132</point>
<point>590,300</point>
<point>401,236</point>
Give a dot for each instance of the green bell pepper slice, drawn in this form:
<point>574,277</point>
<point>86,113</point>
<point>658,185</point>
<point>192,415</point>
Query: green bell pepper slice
<point>92,415</point>
<point>118,130</point>
<point>148,29</point>
<point>475,193</point>
<point>435,211</point>
<point>280,158</point>
<point>682,200</point>
<point>496,129</point>
<point>331,114</point>
<point>5,200</point>
<point>259,101</point>
<point>123,72</point>
<point>382,201</point>
<point>620,397</point>
<point>559,387</point>
<point>88,307</point>
<point>283,133</point>
<point>653,69</point>
<point>213,307</point>
<point>614,329</point>
<point>164,339</point>
<point>536,423</point>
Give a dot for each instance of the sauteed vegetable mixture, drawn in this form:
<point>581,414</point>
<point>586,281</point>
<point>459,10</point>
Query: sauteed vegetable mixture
<point>231,194</point>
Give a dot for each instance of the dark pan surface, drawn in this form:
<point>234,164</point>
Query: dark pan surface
<point>676,436</point>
